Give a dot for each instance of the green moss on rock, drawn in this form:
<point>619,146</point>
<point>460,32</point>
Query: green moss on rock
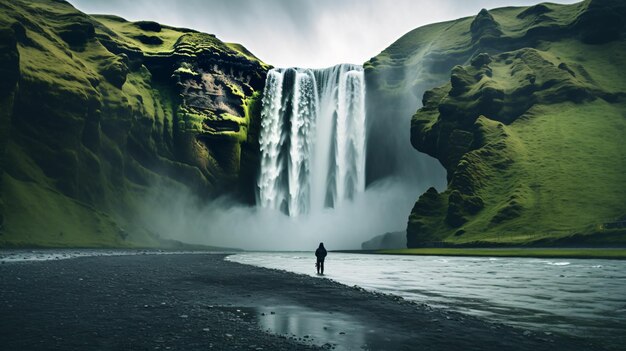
<point>484,27</point>
<point>522,107</point>
<point>93,112</point>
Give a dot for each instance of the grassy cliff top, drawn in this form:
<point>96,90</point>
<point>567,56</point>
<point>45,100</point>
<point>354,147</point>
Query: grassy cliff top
<point>424,56</point>
<point>152,38</point>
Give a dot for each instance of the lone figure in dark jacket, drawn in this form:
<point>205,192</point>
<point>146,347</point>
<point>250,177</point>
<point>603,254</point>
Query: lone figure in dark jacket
<point>320,253</point>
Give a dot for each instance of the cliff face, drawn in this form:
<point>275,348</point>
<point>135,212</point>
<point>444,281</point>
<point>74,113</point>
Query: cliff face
<point>94,110</point>
<point>529,124</point>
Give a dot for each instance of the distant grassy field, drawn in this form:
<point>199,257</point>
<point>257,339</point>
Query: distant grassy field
<point>619,254</point>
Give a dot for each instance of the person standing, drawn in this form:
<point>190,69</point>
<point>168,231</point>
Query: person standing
<point>320,253</point>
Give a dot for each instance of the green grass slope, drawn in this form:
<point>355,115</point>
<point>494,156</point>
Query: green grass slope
<point>527,113</point>
<point>584,253</point>
<point>94,110</point>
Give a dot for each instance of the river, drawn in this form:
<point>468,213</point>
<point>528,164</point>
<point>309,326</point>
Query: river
<point>579,297</point>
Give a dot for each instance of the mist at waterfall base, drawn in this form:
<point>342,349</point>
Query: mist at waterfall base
<point>312,184</point>
<point>224,222</point>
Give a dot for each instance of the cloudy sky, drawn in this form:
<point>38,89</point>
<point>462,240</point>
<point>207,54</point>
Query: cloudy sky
<point>303,33</point>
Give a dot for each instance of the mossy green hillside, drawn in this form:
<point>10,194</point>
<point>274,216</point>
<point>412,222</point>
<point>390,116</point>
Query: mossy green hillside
<point>96,109</point>
<point>529,125</point>
<point>422,59</point>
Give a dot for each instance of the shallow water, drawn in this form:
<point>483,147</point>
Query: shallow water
<point>332,330</point>
<point>20,255</point>
<point>584,298</point>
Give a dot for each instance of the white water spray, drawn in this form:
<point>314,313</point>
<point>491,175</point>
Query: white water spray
<point>312,138</point>
<point>270,140</point>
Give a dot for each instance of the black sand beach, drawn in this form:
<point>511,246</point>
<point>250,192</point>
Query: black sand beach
<point>200,302</point>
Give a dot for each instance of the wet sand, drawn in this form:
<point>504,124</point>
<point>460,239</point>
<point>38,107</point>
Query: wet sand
<point>200,302</point>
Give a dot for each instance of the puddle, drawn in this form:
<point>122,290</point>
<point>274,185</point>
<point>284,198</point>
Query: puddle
<point>332,330</point>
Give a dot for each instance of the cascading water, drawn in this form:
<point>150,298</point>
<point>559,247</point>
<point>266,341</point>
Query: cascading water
<point>312,138</point>
<point>313,142</point>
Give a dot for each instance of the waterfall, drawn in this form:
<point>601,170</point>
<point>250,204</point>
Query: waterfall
<point>312,138</point>
<point>271,140</point>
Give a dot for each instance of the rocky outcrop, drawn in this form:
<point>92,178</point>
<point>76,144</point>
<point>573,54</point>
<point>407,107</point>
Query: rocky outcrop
<point>393,240</point>
<point>484,27</point>
<point>95,110</point>
<point>474,92</point>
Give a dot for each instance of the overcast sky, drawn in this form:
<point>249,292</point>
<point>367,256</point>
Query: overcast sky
<point>303,33</point>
